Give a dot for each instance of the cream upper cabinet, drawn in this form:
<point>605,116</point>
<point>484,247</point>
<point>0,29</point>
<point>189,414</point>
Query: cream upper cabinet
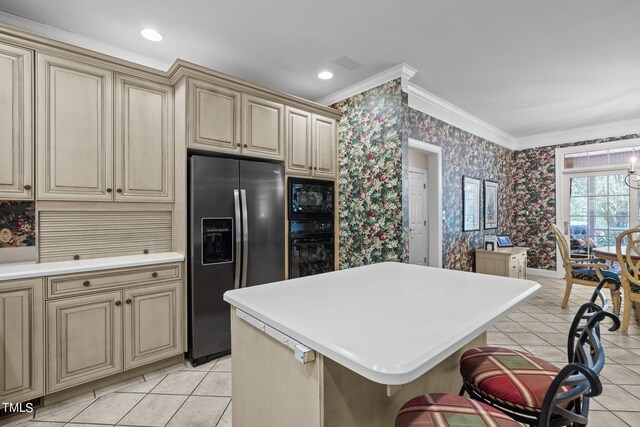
<point>153,324</point>
<point>16,122</point>
<point>214,118</point>
<point>263,130</point>
<point>144,147</point>
<point>298,141</point>
<point>74,130</point>
<point>84,339</point>
<point>22,343</point>
<point>324,147</point>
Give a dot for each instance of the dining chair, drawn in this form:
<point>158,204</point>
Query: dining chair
<point>585,271</point>
<point>630,273</point>
<point>560,396</point>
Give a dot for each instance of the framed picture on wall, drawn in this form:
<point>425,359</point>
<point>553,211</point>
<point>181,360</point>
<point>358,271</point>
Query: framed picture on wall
<point>490,204</point>
<point>470,204</point>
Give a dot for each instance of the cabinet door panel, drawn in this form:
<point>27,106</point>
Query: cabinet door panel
<point>144,141</point>
<point>263,128</point>
<point>22,344</point>
<point>298,137</point>
<point>85,339</point>
<point>153,326</point>
<point>74,130</point>
<point>16,138</point>
<point>214,118</point>
<point>324,147</point>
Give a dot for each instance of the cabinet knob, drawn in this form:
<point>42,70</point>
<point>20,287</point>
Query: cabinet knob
<point>109,190</point>
<point>86,283</point>
<point>310,168</point>
<point>315,168</point>
<point>245,145</point>
<point>119,190</point>
<point>118,303</point>
<point>154,274</point>
<point>76,257</point>
<point>128,301</point>
<point>238,145</point>
<point>146,251</point>
<point>27,187</point>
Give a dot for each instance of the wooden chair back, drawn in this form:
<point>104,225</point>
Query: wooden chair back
<point>562,245</point>
<point>629,260</point>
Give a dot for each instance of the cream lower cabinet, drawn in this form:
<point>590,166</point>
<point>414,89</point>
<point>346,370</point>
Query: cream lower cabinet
<point>507,262</point>
<point>112,325</point>
<point>22,343</point>
<point>84,339</point>
<point>153,327</point>
<point>16,122</point>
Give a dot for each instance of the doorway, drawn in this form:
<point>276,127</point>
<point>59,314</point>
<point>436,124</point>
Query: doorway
<point>425,203</point>
<point>418,231</point>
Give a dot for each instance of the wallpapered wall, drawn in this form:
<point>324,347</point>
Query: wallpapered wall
<point>19,219</point>
<point>373,155</point>
<point>370,181</point>
<point>534,180</point>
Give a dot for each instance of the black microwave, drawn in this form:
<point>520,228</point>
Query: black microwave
<point>310,198</point>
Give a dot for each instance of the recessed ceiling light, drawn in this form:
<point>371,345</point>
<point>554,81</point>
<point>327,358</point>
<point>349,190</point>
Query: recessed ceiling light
<point>325,75</point>
<point>151,34</point>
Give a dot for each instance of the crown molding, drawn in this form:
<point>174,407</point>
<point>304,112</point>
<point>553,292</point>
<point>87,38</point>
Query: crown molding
<point>80,41</point>
<point>428,103</point>
<point>402,71</point>
<point>606,130</point>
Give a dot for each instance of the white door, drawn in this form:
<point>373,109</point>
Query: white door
<point>418,252</point>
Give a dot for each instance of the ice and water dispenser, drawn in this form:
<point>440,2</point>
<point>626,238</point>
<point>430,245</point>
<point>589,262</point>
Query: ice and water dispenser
<point>217,240</point>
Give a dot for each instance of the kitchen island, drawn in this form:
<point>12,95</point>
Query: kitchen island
<point>372,337</point>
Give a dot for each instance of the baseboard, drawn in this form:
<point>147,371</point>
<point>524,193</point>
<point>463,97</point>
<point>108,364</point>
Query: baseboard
<point>544,273</point>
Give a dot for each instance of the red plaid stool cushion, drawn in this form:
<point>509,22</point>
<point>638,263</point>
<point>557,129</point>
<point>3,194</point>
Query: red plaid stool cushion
<point>448,410</point>
<point>512,378</point>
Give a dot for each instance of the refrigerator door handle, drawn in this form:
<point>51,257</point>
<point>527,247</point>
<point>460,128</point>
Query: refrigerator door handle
<point>236,204</point>
<point>245,238</point>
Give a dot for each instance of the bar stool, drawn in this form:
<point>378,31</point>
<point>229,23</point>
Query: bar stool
<point>554,397</point>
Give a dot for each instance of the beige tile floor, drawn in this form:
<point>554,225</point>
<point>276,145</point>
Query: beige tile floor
<point>185,396</point>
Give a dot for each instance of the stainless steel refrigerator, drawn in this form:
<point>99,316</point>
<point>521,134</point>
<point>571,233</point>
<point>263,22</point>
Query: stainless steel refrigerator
<point>237,232</point>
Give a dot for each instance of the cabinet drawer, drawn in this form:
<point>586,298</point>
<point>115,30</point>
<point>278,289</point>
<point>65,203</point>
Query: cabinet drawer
<point>77,284</point>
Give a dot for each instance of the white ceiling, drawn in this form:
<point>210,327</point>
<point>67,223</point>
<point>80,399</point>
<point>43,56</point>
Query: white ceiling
<point>525,67</point>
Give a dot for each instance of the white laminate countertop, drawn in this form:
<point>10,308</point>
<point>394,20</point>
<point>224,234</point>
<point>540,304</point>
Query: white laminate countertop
<point>388,322</point>
<point>26,270</point>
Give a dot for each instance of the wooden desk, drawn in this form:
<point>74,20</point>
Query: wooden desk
<point>507,262</point>
<point>381,334</point>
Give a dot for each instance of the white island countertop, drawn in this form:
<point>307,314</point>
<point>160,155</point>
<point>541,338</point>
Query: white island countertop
<point>388,322</point>
<point>27,270</point>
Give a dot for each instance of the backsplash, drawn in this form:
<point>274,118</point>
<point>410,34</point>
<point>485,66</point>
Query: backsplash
<point>17,224</point>
<point>534,179</point>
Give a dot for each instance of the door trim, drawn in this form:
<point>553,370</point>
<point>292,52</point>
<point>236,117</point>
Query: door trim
<point>434,199</point>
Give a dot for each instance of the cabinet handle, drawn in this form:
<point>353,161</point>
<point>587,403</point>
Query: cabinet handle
<point>128,301</point>
<point>118,303</point>
<point>109,190</point>
<point>76,257</point>
<point>119,190</point>
<point>86,283</point>
<point>154,274</point>
<point>27,187</point>
<point>245,145</point>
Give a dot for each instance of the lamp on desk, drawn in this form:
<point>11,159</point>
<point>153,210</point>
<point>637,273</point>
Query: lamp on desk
<point>632,179</point>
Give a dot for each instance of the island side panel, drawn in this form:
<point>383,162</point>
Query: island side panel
<point>270,388</point>
<point>351,400</point>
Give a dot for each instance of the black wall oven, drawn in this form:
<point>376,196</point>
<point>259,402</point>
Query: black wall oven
<point>311,228</point>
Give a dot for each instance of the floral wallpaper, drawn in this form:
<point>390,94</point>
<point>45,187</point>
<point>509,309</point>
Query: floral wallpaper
<point>534,200</point>
<point>370,181</point>
<point>464,154</point>
<point>17,224</point>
